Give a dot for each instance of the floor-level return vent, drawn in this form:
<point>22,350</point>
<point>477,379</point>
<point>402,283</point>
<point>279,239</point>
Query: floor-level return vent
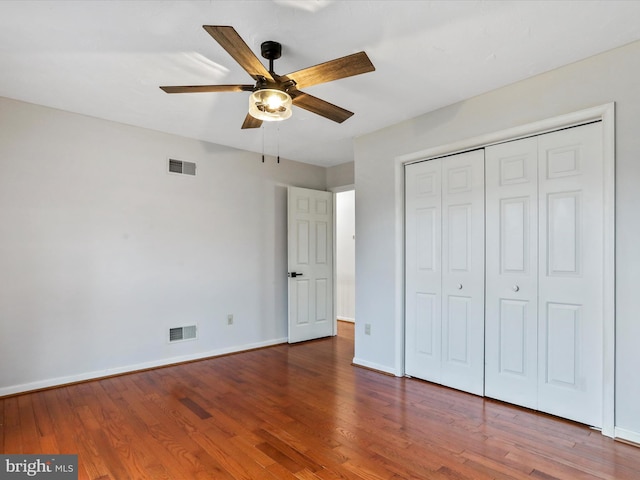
<point>180,334</point>
<point>185,168</point>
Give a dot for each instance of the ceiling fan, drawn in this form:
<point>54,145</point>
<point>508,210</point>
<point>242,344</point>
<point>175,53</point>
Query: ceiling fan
<point>273,94</point>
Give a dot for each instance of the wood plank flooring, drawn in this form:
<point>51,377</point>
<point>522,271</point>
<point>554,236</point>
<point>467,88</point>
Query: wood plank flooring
<point>299,412</point>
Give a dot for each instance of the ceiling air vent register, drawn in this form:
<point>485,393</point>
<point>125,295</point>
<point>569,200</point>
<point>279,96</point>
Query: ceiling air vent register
<point>184,168</point>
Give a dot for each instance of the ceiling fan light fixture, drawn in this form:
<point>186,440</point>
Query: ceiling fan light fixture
<point>270,105</point>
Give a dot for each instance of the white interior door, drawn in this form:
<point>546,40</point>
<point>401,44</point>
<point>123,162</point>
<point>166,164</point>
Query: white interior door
<point>544,285</point>
<point>571,259</point>
<point>310,258</point>
<point>511,364</point>
<point>423,326</point>
<point>463,272</point>
<point>444,338</point>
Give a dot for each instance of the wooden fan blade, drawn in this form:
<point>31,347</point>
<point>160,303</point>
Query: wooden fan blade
<point>229,39</point>
<point>320,107</point>
<point>251,122</point>
<point>208,88</point>
<point>348,66</point>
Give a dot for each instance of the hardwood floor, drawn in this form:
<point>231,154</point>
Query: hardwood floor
<point>299,412</point>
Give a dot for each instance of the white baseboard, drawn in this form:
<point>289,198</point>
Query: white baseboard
<point>628,435</point>
<point>346,319</point>
<point>375,366</point>
<point>59,381</point>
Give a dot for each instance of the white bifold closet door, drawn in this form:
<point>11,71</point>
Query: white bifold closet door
<point>444,208</point>
<point>544,271</point>
<point>512,272</point>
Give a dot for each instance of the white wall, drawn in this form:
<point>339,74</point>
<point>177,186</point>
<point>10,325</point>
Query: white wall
<point>610,77</point>
<point>340,175</point>
<point>345,256</point>
<point>102,250</point>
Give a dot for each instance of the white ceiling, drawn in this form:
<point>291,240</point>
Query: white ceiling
<point>107,58</point>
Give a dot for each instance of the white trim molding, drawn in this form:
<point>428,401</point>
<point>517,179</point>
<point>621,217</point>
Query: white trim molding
<point>604,113</point>
<point>110,372</point>
<point>377,367</point>
<point>627,435</point>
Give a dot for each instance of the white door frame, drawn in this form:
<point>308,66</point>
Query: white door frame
<point>335,190</point>
<point>604,113</point>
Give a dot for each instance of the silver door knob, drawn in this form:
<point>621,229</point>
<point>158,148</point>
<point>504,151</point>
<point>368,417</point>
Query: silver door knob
<point>459,286</point>
<point>516,288</point>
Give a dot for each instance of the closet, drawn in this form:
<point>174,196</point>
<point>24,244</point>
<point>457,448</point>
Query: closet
<point>506,299</point>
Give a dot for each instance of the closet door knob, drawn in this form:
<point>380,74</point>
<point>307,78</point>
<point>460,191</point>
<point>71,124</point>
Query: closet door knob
<point>459,286</point>
<point>516,288</point>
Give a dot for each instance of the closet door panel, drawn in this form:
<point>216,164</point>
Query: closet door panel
<point>570,273</point>
<point>463,272</point>
<point>511,272</point>
<point>423,270</point>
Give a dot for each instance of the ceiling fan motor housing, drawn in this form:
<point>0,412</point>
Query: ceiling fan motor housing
<point>271,50</point>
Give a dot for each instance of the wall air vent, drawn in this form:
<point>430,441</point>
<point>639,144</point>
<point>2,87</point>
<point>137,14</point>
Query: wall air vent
<point>180,334</point>
<point>184,168</point>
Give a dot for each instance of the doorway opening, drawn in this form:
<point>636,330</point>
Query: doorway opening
<point>345,259</point>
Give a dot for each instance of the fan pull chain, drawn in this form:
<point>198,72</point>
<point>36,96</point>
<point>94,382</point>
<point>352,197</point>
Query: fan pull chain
<point>277,144</point>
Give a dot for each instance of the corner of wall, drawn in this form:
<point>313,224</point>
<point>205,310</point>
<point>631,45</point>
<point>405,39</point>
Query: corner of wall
<point>340,175</point>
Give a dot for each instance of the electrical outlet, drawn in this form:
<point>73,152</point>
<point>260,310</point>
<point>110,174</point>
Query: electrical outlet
<point>230,319</point>
<point>367,329</point>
